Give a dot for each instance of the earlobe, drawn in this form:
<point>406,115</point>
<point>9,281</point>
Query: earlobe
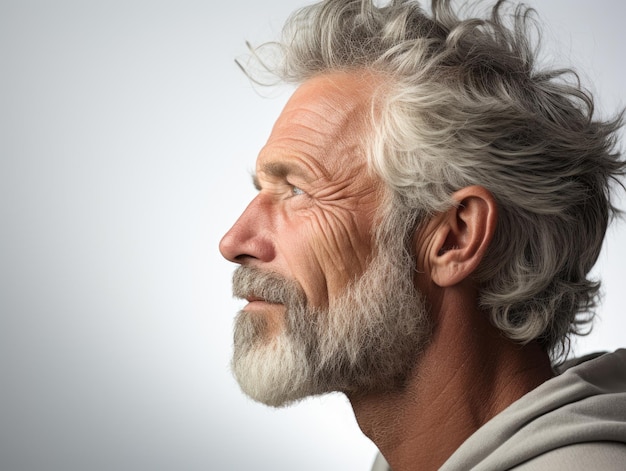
<point>463,236</point>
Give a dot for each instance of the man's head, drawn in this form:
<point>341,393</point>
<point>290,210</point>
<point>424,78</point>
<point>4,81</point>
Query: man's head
<point>401,113</point>
<point>319,282</point>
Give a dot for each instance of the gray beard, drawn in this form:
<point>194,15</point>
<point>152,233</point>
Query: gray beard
<point>367,340</point>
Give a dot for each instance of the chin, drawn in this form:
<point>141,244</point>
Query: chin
<point>271,371</point>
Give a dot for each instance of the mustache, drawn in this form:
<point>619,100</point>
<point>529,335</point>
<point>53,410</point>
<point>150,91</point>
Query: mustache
<point>251,282</point>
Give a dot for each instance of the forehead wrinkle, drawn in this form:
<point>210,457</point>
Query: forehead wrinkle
<point>333,130</point>
<point>319,129</point>
<point>293,145</point>
<point>314,128</point>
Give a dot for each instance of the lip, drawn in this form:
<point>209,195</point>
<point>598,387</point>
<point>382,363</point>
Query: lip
<point>258,304</point>
<point>252,299</point>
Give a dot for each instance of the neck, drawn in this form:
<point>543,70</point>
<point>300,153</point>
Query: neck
<point>466,375</point>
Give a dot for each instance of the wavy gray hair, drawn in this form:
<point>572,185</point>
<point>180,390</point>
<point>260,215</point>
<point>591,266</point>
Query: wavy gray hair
<point>465,104</point>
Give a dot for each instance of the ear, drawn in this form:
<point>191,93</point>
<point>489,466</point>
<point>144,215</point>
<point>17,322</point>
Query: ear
<point>462,236</point>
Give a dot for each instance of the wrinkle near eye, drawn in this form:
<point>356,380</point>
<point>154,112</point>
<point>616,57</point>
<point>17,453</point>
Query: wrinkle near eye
<point>342,246</point>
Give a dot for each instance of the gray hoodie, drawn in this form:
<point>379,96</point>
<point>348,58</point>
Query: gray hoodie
<point>574,421</point>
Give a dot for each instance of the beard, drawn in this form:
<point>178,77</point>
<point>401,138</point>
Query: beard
<point>367,340</point>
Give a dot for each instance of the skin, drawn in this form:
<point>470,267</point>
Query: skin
<point>312,218</point>
<point>312,221</point>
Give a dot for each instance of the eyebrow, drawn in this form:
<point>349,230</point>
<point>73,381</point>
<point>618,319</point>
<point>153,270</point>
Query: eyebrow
<point>278,170</point>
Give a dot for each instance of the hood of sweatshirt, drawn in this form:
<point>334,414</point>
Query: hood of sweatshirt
<point>586,403</point>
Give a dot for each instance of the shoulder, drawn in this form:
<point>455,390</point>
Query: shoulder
<point>575,421</point>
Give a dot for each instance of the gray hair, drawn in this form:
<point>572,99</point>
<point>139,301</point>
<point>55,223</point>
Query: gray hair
<point>464,104</point>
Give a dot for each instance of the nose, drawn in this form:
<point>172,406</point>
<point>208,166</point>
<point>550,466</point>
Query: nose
<point>249,239</point>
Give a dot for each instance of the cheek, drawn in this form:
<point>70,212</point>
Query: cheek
<point>330,249</point>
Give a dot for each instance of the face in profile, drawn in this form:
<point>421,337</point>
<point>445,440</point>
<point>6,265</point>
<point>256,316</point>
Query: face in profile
<point>329,308</point>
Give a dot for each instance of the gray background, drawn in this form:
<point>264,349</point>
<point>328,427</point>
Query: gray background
<point>126,137</point>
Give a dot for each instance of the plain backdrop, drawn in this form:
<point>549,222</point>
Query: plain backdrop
<point>127,135</point>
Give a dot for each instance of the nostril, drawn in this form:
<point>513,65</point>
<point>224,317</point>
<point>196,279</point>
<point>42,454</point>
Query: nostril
<point>242,258</point>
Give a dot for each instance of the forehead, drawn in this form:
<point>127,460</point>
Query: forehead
<point>323,123</point>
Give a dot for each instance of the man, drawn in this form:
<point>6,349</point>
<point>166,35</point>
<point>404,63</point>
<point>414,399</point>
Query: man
<point>429,207</point>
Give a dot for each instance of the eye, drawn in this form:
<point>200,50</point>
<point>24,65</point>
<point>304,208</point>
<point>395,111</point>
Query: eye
<point>295,191</point>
